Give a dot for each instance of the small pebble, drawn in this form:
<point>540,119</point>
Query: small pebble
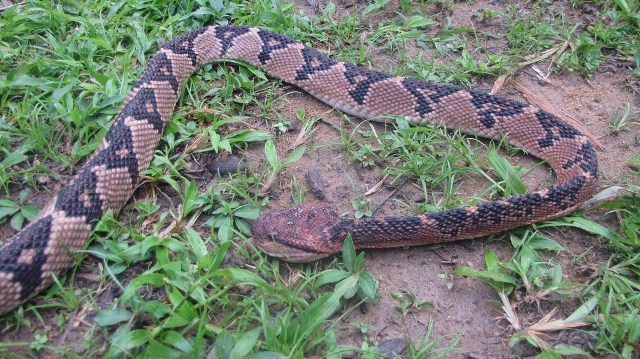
<point>391,348</point>
<point>316,186</point>
<point>226,165</point>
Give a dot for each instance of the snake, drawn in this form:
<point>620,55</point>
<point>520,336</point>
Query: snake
<point>46,247</point>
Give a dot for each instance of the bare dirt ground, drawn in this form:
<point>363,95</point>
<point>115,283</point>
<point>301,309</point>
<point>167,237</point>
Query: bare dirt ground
<point>468,307</point>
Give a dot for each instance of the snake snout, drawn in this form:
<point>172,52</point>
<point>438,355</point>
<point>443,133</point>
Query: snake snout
<point>297,234</point>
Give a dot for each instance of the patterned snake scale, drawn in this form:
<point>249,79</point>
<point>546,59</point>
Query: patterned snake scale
<point>45,247</point>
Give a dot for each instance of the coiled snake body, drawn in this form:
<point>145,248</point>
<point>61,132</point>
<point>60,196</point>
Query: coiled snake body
<point>46,246</point>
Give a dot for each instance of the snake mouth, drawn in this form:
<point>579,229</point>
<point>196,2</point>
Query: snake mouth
<point>297,234</point>
<point>274,248</point>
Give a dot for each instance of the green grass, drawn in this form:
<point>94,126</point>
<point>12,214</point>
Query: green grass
<point>182,279</point>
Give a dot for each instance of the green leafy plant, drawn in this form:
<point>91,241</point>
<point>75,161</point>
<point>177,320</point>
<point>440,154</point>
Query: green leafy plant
<point>361,208</point>
<point>408,302</point>
<point>290,331</point>
<point>526,269</point>
<point>230,215</point>
<point>276,166</point>
<point>11,158</point>
<point>353,278</point>
<point>426,348</point>
<point>621,121</point>
<point>18,211</point>
<point>226,346</point>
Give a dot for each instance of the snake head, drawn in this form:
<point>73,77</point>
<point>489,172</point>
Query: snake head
<point>297,234</point>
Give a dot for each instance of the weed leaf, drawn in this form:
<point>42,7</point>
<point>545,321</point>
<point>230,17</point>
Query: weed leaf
<point>108,317</point>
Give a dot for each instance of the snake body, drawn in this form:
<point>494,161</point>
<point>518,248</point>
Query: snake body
<point>30,259</point>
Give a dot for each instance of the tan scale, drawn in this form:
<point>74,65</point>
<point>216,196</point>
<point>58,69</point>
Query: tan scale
<point>85,197</point>
<point>246,47</point>
<point>10,289</point>
<point>288,61</point>
<point>26,256</point>
<point>181,65</point>
<point>164,95</point>
<point>382,90</point>
<point>144,135</point>
<point>114,186</point>
<point>208,47</point>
